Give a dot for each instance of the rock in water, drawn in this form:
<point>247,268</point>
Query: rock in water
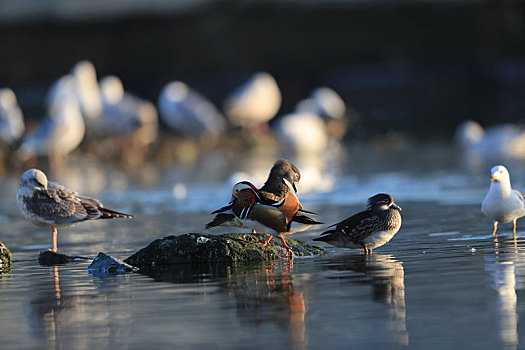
<point>5,257</point>
<point>206,248</point>
<point>50,258</point>
<point>106,264</point>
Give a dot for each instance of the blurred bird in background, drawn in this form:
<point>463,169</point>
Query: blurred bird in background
<point>495,143</point>
<point>11,125</point>
<point>253,104</point>
<point>61,130</point>
<point>131,121</point>
<point>188,112</point>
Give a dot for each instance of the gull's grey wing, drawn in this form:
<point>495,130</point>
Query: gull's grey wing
<point>88,208</point>
<point>65,205</point>
<point>520,196</point>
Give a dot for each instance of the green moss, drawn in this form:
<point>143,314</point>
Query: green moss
<point>5,257</point>
<point>206,248</point>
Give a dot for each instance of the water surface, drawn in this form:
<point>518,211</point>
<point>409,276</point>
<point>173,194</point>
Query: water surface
<point>443,281</point>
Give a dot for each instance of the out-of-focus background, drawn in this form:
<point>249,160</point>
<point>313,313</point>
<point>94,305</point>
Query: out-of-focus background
<point>417,66</point>
<point>163,80</point>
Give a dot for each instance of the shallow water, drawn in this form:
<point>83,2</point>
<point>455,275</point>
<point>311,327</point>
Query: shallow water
<point>442,281</point>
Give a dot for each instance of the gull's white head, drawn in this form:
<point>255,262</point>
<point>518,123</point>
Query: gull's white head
<point>112,89</point>
<point>7,98</point>
<point>176,91</point>
<point>469,133</point>
<point>85,72</point>
<point>33,180</point>
<point>500,174</point>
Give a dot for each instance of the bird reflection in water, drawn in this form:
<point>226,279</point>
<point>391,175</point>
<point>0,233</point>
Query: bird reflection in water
<point>265,294</point>
<point>67,315</point>
<point>387,278</point>
<point>270,294</point>
<point>503,273</point>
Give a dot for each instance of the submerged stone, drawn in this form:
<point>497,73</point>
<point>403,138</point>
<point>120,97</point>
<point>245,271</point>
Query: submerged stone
<point>207,248</point>
<point>50,258</point>
<point>106,264</point>
<point>5,257</point>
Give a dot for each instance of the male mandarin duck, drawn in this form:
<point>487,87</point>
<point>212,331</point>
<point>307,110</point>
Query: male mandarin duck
<point>274,208</point>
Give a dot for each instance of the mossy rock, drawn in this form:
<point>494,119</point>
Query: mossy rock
<point>207,248</point>
<point>5,257</point>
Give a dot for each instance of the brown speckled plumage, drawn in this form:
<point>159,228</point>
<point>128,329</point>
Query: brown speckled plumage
<point>368,229</point>
<point>62,206</point>
<point>49,204</point>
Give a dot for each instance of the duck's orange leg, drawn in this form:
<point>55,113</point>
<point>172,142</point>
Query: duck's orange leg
<point>289,252</point>
<point>267,241</point>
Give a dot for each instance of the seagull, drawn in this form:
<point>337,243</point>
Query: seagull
<point>325,102</point>
<point>304,132</point>
<point>61,130</point>
<point>255,102</point>
<point>87,91</point>
<point>328,105</point>
<point>11,117</point>
<point>505,141</point>
<point>48,204</point>
<point>503,204</point>
<point>133,121</point>
<point>368,229</point>
<point>189,112</point>
<point>82,86</point>
<point>123,112</point>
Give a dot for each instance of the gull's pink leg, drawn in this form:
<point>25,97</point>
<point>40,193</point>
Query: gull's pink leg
<point>55,245</point>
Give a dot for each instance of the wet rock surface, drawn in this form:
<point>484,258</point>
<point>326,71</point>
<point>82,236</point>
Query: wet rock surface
<point>107,265</point>
<point>50,258</point>
<point>5,256</point>
<point>207,248</point>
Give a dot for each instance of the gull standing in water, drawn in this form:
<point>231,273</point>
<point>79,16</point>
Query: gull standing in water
<point>503,204</point>
<point>48,204</point>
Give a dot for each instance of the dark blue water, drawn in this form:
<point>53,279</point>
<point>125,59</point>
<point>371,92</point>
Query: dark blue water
<point>443,281</point>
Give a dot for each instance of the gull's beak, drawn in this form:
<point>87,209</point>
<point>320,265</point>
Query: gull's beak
<point>493,178</point>
<point>395,206</point>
